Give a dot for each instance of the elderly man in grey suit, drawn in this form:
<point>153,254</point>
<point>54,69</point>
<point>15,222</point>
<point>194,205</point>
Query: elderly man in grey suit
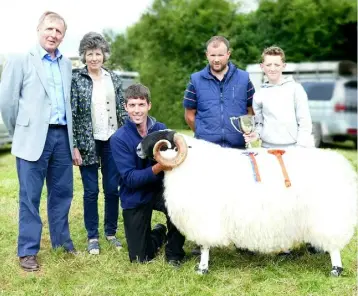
<point>35,106</point>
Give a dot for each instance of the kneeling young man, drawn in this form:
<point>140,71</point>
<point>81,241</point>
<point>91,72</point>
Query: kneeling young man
<point>141,184</point>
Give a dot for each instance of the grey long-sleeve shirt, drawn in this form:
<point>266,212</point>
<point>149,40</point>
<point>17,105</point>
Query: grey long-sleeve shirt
<point>283,115</point>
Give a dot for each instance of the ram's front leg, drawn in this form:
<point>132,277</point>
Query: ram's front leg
<point>203,267</point>
<point>336,263</point>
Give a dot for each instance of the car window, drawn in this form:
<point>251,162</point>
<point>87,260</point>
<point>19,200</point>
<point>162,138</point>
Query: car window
<point>318,91</point>
<point>350,93</point>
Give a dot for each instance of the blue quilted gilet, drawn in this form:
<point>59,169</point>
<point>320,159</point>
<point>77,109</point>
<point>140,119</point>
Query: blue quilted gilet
<point>216,104</point>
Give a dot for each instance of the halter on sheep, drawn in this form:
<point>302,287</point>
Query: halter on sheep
<point>319,207</point>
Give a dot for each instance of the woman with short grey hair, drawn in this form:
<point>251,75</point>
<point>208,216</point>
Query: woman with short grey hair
<point>91,41</point>
<point>98,111</point>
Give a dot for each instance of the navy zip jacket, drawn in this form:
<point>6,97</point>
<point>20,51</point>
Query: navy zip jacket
<point>137,182</point>
<point>216,102</point>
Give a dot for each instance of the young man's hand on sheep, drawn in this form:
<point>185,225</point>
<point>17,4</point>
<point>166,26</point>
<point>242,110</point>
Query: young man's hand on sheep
<point>157,168</point>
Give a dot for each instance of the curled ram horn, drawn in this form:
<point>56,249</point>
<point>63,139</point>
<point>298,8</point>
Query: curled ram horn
<point>160,144</point>
<point>180,156</point>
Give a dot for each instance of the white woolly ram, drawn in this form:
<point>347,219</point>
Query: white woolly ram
<point>213,199</point>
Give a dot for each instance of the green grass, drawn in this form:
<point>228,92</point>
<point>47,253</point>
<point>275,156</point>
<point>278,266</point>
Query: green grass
<point>110,273</point>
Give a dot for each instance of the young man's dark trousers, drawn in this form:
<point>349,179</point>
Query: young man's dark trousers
<point>143,242</point>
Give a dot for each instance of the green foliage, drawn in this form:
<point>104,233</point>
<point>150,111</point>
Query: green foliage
<point>168,43</point>
<point>307,30</point>
<point>121,56</point>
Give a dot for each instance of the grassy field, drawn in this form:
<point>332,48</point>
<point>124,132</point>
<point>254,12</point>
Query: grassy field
<point>110,273</point>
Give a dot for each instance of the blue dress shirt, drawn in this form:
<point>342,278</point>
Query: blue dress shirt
<point>54,80</point>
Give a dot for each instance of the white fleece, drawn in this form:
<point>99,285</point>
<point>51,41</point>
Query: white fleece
<point>283,115</point>
<point>214,200</point>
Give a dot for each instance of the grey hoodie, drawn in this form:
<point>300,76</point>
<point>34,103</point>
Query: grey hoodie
<point>282,115</point>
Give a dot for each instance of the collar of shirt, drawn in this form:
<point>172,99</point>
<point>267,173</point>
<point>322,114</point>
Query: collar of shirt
<point>104,72</point>
<point>45,55</point>
<point>151,121</point>
<point>225,75</point>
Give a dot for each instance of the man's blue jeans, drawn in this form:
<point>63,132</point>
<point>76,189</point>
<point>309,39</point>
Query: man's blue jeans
<point>54,165</point>
<point>110,179</point>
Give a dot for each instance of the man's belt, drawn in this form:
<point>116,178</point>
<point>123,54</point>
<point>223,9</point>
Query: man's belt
<point>57,126</point>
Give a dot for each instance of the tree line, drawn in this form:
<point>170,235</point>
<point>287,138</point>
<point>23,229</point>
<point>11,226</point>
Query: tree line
<point>167,44</point>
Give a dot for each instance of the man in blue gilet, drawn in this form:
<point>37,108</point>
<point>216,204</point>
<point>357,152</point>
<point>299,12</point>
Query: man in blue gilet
<point>214,95</point>
<point>217,93</point>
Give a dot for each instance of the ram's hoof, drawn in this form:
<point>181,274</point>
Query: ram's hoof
<point>336,271</point>
<point>201,271</point>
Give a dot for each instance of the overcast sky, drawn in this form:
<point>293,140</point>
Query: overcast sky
<point>18,20</point>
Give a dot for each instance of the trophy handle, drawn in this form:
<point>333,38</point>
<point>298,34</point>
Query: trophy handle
<point>233,124</point>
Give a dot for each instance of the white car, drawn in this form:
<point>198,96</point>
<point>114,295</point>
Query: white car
<point>333,108</point>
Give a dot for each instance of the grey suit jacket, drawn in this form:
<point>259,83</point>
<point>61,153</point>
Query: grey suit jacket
<point>25,103</point>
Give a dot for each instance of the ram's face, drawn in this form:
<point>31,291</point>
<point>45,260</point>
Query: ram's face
<point>145,147</point>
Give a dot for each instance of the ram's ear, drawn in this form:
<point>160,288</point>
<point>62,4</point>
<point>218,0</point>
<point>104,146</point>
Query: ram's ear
<point>140,151</point>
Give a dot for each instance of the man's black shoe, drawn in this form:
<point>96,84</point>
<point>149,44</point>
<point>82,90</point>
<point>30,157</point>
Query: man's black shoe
<point>285,253</point>
<point>29,263</point>
<point>73,252</point>
<point>174,263</point>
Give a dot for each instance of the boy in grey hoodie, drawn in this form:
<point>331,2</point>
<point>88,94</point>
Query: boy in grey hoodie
<point>281,106</point>
<point>281,109</point>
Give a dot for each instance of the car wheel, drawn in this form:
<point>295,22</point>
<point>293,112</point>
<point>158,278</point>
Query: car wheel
<point>317,135</point>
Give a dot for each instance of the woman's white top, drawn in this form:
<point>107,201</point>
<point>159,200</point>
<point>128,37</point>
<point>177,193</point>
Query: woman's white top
<point>103,102</point>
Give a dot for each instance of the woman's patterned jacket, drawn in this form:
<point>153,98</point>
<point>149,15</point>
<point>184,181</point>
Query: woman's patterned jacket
<point>81,97</point>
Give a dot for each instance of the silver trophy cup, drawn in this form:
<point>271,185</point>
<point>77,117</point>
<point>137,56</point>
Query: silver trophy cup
<point>245,125</point>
